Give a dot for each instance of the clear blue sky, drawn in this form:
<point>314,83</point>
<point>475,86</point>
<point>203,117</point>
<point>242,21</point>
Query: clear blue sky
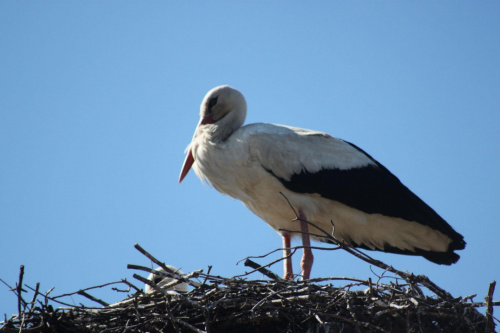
<point>98,101</point>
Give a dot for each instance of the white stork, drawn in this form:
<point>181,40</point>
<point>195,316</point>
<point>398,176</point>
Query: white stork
<point>324,178</point>
<point>161,280</point>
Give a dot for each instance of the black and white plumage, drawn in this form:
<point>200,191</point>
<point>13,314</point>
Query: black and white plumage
<point>162,280</point>
<point>325,178</point>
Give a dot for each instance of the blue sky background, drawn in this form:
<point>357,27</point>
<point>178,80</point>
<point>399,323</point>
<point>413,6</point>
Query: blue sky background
<point>98,101</point>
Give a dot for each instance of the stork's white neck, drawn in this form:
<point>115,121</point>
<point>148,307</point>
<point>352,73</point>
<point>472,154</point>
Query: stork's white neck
<point>222,129</point>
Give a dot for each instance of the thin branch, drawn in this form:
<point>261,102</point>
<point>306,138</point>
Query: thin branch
<point>261,269</point>
<point>174,274</point>
<point>19,289</point>
<point>137,289</point>
<point>92,298</point>
<point>86,289</point>
<point>206,277</point>
<point>153,259</point>
<point>341,278</point>
<point>35,295</point>
<point>293,250</point>
<point>48,298</point>
<point>483,304</point>
<point>489,307</point>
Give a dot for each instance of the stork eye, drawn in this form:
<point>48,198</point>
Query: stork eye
<point>212,102</point>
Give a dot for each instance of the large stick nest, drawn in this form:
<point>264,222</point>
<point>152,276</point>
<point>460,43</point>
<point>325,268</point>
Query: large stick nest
<point>396,302</point>
<point>406,303</point>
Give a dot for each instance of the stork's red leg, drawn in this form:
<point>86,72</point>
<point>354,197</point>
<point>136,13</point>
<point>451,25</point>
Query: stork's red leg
<point>288,258</point>
<point>307,257</point>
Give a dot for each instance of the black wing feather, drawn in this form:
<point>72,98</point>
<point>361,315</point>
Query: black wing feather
<point>375,190</point>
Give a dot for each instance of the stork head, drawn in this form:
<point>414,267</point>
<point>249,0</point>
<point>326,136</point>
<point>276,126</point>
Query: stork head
<point>222,111</point>
<point>220,102</point>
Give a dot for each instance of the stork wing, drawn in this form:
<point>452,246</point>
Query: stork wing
<point>316,163</point>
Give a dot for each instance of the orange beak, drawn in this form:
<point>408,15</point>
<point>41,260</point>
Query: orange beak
<point>188,163</point>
